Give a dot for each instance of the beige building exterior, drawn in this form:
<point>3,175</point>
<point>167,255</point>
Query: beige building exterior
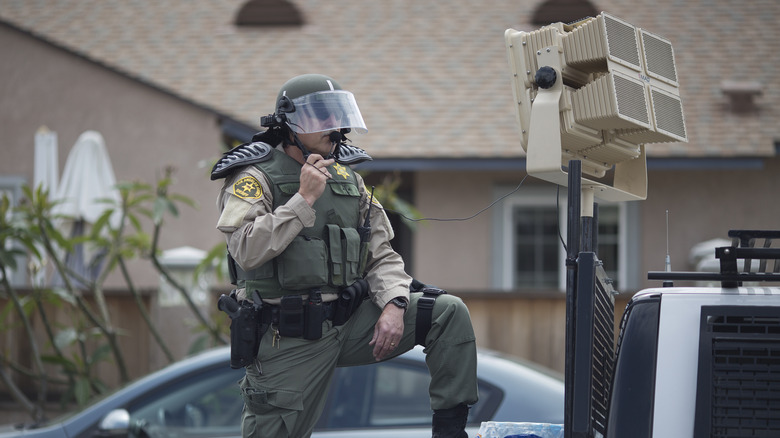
<point>170,83</point>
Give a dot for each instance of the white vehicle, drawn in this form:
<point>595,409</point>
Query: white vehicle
<point>702,361</point>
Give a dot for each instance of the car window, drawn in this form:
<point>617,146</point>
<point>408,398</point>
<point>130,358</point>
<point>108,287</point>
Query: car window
<point>388,394</point>
<point>400,397</point>
<point>208,403</point>
<point>391,394</point>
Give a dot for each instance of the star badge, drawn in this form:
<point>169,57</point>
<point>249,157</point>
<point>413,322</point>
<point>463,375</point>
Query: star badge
<point>341,170</point>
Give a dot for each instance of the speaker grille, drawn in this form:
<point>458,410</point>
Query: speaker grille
<point>659,58</point>
<point>631,99</point>
<point>668,114</point>
<point>621,39</point>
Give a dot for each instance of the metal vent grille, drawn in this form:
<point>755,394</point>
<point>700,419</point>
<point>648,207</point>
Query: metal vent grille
<point>738,393</point>
<point>631,97</point>
<point>659,58</point>
<point>668,114</point>
<point>603,355</point>
<point>621,39</point>
<point>590,346</point>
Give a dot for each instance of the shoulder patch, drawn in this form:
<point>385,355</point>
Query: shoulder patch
<point>248,187</point>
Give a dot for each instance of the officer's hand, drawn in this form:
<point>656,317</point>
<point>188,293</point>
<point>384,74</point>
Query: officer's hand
<point>314,174</point>
<point>387,332</point>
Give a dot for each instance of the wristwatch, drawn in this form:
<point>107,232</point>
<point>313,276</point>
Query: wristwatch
<point>400,302</point>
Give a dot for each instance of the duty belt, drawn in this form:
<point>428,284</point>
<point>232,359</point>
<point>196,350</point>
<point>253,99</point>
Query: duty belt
<point>274,311</point>
<point>297,316</point>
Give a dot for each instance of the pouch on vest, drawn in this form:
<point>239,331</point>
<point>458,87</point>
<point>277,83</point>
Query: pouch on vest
<point>345,190</point>
<point>289,189</point>
<point>303,265</point>
<point>344,255</point>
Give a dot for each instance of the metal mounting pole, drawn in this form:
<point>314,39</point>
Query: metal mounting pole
<point>572,251</point>
<point>588,232</point>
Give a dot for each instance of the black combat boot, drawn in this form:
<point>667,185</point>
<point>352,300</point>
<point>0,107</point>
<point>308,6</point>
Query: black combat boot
<point>450,423</point>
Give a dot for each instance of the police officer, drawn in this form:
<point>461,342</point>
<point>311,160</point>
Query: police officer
<point>294,217</point>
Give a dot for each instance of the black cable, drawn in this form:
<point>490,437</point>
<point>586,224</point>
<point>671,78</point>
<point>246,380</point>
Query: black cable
<point>459,219</point>
<point>558,217</point>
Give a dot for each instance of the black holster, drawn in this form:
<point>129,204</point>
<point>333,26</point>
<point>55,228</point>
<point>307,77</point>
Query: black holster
<point>246,329</point>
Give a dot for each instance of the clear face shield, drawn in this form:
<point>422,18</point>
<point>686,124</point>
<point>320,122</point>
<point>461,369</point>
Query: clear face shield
<point>326,111</point>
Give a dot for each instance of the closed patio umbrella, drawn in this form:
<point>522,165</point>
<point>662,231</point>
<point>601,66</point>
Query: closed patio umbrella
<point>87,182</point>
<point>46,176</point>
<point>46,166</point>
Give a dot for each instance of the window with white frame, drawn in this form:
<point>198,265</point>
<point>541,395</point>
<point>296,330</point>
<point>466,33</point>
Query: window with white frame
<point>529,231</point>
<point>535,249</point>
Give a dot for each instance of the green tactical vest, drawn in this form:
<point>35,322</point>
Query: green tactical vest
<point>326,256</point>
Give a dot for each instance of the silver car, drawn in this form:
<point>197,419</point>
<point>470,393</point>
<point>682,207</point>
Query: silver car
<point>199,396</point>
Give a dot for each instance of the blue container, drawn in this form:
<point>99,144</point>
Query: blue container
<point>497,429</point>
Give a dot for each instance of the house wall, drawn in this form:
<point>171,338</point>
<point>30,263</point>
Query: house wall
<point>703,204</point>
<point>145,131</point>
<point>456,255</point>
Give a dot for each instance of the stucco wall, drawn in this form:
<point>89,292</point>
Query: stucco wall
<point>145,130</point>
<point>452,255</point>
<point>703,205</point>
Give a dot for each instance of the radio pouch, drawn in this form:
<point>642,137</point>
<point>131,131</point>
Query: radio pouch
<point>313,314</point>
<point>291,316</point>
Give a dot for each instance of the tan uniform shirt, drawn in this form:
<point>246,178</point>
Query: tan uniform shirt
<point>255,233</point>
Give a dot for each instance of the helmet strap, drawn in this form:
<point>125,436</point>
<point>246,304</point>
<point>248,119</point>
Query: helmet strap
<point>297,142</point>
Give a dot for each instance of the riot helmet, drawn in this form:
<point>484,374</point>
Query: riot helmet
<point>316,103</point>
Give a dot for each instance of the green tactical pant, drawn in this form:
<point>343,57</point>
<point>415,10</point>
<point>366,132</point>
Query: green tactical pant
<point>286,389</point>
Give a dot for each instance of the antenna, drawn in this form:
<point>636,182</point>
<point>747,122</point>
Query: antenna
<point>668,260</point>
<point>365,230</point>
